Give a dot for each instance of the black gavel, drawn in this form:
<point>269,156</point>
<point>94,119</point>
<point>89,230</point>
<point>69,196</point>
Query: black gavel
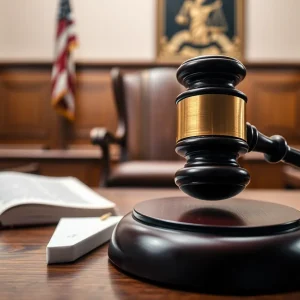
<point>212,132</point>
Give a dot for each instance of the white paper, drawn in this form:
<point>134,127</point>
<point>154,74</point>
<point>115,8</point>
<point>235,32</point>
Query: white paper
<point>74,237</point>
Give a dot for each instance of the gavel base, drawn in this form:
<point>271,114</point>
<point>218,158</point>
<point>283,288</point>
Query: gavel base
<point>229,247</point>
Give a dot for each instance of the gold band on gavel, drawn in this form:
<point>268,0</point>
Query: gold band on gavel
<point>211,114</point>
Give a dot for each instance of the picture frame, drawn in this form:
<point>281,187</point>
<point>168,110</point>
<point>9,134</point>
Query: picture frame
<point>189,28</point>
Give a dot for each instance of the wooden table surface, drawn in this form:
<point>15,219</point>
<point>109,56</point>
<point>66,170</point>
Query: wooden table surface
<point>25,275</point>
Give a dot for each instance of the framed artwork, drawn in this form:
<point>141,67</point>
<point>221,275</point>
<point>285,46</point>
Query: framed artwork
<point>189,28</point>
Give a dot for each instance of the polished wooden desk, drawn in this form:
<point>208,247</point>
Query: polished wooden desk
<point>25,275</point>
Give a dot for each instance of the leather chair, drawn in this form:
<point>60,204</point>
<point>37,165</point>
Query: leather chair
<point>146,131</point>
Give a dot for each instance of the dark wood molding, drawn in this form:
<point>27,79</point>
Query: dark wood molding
<point>76,152</point>
<point>105,65</point>
<point>49,154</point>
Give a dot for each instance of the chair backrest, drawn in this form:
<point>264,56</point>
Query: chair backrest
<point>150,113</point>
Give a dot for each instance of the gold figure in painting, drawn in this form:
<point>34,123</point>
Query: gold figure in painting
<point>206,33</point>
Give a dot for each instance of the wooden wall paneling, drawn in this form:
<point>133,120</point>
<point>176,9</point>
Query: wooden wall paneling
<point>274,103</point>
<point>28,120</point>
<point>94,106</point>
<point>58,128</point>
<point>25,101</point>
<point>273,107</point>
<point>264,175</point>
<point>2,106</point>
<point>86,170</point>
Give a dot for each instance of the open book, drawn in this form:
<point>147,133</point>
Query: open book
<point>32,199</point>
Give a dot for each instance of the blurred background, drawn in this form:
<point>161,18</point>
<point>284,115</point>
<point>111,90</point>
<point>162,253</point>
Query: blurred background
<point>128,34</point>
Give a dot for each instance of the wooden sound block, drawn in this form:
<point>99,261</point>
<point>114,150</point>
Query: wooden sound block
<point>227,247</point>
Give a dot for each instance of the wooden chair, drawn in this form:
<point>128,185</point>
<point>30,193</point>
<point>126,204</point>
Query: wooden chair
<point>146,131</point>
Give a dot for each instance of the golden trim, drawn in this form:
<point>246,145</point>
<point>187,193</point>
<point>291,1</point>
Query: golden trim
<point>62,111</point>
<point>212,114</point>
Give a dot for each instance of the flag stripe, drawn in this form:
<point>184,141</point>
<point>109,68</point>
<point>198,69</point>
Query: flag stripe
<point>64,39</point>
<point>63,71</point>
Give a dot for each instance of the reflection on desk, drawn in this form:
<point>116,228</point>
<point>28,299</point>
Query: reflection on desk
<point>25,275</point>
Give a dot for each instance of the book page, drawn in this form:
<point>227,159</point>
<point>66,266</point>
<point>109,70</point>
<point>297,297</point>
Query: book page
<point>17,189</point>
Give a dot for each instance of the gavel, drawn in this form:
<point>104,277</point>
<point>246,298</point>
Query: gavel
<point>212,132</point>
<point>238,246</point>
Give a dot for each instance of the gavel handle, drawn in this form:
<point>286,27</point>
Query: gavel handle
<point>275,148</point>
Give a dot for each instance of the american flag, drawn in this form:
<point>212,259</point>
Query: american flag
<point>63,72</point>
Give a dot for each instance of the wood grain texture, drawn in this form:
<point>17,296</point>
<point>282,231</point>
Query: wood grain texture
<point>25,94</point>
<point>264,175</point>
<point>86,170</point>
<point>25,114</point>
<point>82,163</point>
<point>25,275</point>
<point>273,102</point>
<point>94,106</point>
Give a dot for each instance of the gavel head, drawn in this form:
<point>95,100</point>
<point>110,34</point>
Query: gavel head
<point>211,128</point>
